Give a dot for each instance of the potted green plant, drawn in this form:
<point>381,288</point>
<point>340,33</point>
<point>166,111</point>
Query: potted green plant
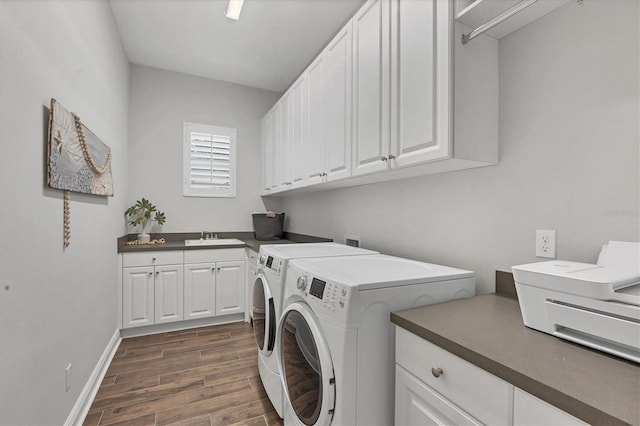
<point>140,214</point>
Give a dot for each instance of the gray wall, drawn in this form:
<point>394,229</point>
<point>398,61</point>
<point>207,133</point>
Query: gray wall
<point>60,306</point>
<point>569,148</point>
<point>161,101</point>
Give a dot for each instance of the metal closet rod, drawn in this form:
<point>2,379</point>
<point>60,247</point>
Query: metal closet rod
<point>466,38</point>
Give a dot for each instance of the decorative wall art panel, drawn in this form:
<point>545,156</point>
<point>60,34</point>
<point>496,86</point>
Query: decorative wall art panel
<point>77,160</point>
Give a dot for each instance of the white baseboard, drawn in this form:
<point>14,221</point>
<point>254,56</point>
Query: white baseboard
<point>180,325</point>
<point>83,403</point>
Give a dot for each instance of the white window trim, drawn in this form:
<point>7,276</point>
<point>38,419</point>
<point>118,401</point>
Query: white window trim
<point>187,189</point>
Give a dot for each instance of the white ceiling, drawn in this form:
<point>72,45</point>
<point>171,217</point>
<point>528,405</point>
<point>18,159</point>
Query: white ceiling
<point>267,48</point>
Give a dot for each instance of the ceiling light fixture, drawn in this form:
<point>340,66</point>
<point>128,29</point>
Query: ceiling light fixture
<point>233,9</point>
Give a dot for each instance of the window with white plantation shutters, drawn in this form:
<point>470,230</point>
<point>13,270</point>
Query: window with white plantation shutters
<point>209,164</point>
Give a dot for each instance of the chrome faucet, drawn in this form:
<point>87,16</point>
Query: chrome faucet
<point>205,235</point>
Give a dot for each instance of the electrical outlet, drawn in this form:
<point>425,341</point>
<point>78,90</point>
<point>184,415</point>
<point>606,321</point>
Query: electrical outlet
<point>68,377</point>
<point>546,243</point>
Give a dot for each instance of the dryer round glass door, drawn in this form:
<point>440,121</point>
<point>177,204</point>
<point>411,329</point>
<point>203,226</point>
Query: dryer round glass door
<point>306,366</point>
<point>264,320</point>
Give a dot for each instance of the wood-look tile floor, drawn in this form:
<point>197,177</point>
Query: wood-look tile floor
<point>203,376</point>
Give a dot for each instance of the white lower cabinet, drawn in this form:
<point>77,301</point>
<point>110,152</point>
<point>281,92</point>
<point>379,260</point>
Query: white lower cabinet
<point>214,282</point>
<point>435,387</point>
<point>169,286</point>
<point>137,296</point>
<point>168,293</point>
<point>213,289</point>
<point>469,392</point>
<point>252,266</point>
<point>151,288</point>
<point>199,290</point>
<point>230,287</point>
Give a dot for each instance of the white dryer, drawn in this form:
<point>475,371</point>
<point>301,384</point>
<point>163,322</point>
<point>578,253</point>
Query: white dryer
<point>336,342</point>
<point>268,291</point>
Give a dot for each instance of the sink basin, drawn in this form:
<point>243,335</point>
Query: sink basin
<point>218,242</point>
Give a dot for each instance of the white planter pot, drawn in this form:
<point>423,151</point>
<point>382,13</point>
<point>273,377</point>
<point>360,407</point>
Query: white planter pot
<point>144,237</point>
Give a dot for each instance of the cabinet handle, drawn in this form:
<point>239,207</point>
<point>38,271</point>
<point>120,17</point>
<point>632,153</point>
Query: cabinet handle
<point>218,269</point>
<point>437,372</point>
<point>157,272</point>
<point>150,273</point>
<point>392,157</point>
<point>213,269</point>
<point>153,260</point>
<point>383,159</point>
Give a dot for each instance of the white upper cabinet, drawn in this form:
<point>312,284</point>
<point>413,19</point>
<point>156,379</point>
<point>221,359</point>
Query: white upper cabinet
<point>283,147</point>
<point>395,94</point>
<point>297,135</point>
<point>338,77</point>
<point>327,154</point>
<point>404,122</point>
<point>315,118</point>
<point>419,82</point>
<point>268,153</point>
<point>371,87</point>
<point>265,130</point>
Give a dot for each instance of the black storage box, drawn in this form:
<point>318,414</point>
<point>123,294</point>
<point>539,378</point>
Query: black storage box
<point>268,227</point>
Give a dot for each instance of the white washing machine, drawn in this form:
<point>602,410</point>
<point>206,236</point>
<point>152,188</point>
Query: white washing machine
<point>336,342</point>
<point>268,291</point>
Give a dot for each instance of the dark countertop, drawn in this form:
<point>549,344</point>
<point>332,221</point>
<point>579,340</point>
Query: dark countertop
<point>175,241</point>
<point>488,331</point>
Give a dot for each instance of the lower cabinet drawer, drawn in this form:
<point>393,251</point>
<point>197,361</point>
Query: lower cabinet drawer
<point>479,393</point>
<point>213,255</point>
<point>417,404</point>
<point>151,258</point>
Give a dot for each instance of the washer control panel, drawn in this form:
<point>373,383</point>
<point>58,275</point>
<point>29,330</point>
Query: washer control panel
<point>274,264</point>
<point>331,296</point>
<point>329,299</point>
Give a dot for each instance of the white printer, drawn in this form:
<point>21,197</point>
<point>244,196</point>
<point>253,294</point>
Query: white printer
<point>594,305</point>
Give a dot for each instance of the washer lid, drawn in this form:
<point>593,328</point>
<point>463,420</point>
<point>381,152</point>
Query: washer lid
<point>377,271</point>
<point>291,251</point>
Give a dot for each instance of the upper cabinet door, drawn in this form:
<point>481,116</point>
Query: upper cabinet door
<point>338,105</point>
<point>297,137</point>
<point>272,153</point>
<point>283,165</point>
<point>315,119</point>
<point>420,110</point>
<point>267,164</point>
<point>371,87</point>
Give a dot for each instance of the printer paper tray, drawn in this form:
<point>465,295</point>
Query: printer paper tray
<point>599,330</point>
